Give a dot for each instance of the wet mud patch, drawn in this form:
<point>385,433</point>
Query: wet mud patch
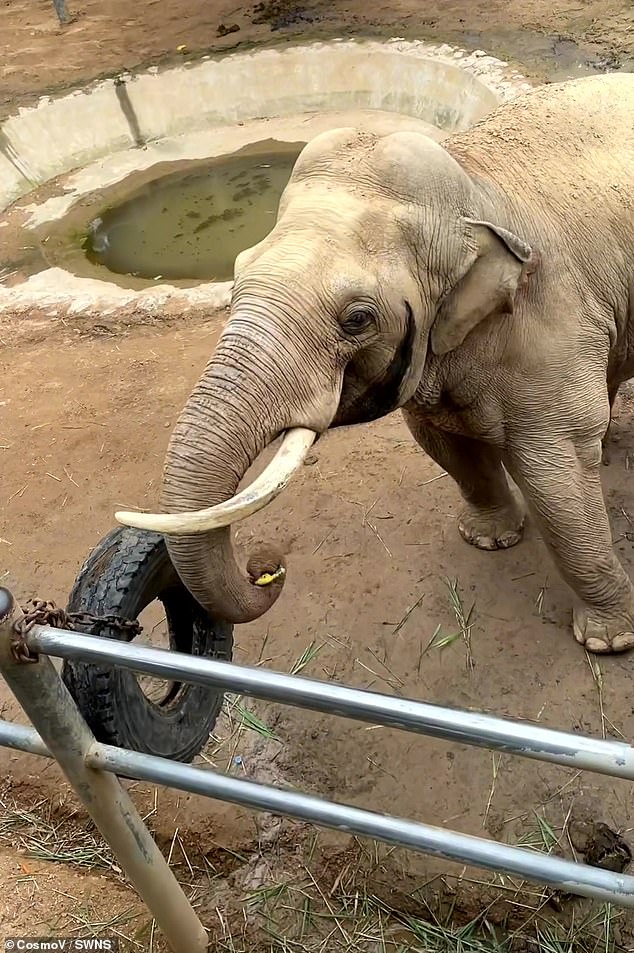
<point>280,14</point>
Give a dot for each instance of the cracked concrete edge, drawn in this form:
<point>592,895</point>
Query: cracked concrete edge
<point>58,292</point>
<point>437,83</point>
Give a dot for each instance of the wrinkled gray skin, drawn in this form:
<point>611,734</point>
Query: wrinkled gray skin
<point>504,342</point>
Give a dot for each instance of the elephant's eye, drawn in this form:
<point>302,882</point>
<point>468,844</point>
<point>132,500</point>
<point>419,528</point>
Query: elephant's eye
<point>357,321</point>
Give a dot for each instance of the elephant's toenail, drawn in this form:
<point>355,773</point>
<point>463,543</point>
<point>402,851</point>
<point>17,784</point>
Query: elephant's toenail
<point>598,646</point>
<point>620,643</point>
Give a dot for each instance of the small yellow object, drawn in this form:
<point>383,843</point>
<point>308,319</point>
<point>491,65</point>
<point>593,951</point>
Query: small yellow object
<point>268,577</point>
<point>182,48</point>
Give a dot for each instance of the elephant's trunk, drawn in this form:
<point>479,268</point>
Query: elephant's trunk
<point>233,414</point>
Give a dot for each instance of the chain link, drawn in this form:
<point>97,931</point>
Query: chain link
<point>40,612</point>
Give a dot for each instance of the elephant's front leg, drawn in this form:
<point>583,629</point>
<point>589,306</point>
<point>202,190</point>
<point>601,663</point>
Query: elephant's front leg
<point>493,517</point>
<point>561,483</point>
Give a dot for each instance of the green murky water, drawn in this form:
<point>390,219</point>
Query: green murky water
<point>192,225</point>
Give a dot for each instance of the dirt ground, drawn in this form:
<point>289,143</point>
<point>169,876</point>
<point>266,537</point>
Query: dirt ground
<point>382,592</point>
<point>549,39</point>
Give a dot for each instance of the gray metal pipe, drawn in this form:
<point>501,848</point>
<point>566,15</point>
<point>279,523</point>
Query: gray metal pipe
<point>61,11</point>
<point>478,851</point>
<point>614,758</point>
<point>46,700</point>
<point>541,868</point>
<point>20,738</point>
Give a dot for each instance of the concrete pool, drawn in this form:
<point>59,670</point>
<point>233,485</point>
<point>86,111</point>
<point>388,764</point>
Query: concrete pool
<point>72,163</point>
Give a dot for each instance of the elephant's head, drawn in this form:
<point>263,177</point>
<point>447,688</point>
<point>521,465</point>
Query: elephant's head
<point>375,256</point>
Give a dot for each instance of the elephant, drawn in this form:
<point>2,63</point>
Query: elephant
<point>484,287</point>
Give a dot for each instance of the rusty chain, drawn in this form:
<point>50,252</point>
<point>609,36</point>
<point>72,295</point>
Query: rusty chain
<point>40,612</point>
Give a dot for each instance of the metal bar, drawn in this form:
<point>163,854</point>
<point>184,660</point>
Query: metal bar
<point>532,865</point>
<point>576,878</point>
<point>60,10</point>
<point>47,702</point>
<point>614,758</point>
<point>20,738</point>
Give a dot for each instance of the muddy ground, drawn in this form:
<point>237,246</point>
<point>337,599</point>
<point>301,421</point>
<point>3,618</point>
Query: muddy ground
<point>382,592</point>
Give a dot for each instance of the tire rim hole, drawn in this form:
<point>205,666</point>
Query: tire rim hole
<point>157,633</point>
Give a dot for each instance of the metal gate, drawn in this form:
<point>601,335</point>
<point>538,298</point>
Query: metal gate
<point>61,733</point>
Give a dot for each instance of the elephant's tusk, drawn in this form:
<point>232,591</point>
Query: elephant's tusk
<point>266,487</point>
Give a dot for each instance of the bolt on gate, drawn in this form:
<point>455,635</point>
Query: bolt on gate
<point>60,732</point>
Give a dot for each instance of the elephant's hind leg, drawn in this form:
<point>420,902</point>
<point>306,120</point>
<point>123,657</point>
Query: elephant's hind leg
<point>493,517</point>
<point>561,481</point>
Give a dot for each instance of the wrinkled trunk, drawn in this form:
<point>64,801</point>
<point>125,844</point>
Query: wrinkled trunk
<point>230,418</point>
<point>255,387</point>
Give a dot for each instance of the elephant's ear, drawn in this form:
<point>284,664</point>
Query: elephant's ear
<point>486,289</point>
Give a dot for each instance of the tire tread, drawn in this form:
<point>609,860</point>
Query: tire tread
<point>124,564</point>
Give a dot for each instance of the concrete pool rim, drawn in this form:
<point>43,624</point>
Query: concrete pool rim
<point>194,110</point>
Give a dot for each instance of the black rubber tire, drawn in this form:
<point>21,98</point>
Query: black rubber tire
<point>125,572</point>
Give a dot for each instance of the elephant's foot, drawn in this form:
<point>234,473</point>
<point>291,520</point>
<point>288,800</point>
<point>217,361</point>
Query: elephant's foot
<point>497,527</point>
<point>602,635</point>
